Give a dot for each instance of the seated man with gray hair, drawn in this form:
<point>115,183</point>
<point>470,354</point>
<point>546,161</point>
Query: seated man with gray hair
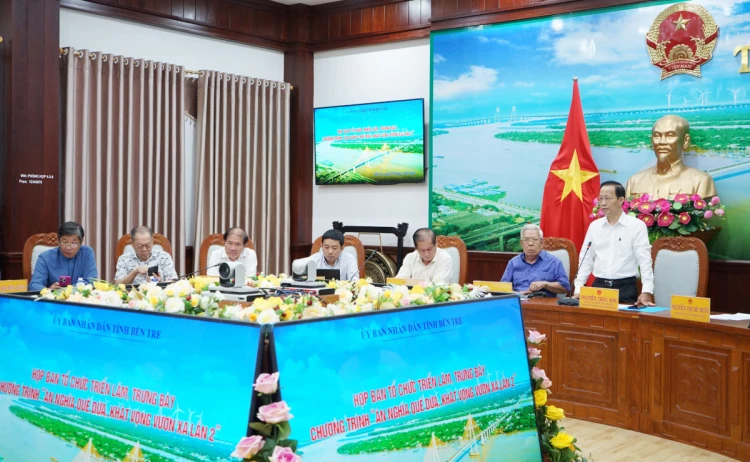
<point>535,269</point>
<point>427,262</point>
<point>132,267</point>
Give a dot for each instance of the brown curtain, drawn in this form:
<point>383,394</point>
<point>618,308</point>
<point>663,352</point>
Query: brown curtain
<point>242,163</point>
<point>123,150</point>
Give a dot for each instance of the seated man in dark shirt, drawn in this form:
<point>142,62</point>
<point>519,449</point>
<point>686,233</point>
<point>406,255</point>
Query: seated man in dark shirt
<point>535,269</point>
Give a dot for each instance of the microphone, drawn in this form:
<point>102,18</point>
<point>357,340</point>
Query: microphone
<point>196,272</point>
<point>570,301</point>
<point>363,265</point>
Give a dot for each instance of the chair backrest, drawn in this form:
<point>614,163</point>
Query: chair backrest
<point>211,244</point>
<point>566,252</point>
<point>351,244</point>
<point>35,246</point>
<point>125,244</point>
<point>680,268</point>
<point>456,248</point>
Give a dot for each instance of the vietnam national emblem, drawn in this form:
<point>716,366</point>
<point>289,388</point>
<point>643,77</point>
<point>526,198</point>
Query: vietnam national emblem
<point>681,39</point>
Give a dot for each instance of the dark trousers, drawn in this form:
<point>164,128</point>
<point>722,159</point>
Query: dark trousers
<point>628,290</point>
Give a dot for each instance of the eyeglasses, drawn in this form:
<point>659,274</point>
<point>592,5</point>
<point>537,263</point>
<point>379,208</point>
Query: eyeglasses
<point>70,245</point>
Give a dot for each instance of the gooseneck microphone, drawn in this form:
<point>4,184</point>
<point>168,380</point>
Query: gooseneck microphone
<point>196,272</point>
<point>363,265</point>
<point>570,301</point>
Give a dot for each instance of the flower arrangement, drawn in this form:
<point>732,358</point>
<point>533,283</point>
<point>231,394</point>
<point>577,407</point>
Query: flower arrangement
<point>97,293</point>
<point>272,443</point>
<point>178,297</point>
<point>680,216</point>
<point>557,446</point>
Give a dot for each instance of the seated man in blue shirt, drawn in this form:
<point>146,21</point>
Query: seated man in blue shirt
<point>535,269</point>
<point>70,258</point>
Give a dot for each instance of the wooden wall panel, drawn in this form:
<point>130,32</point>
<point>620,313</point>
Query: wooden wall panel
<point>255,22</point>
<point>31,120</point>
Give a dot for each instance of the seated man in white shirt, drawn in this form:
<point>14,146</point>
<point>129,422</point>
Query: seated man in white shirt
<point>332,256</point>
<point>428,262</point>
<point>132,267</point>
<point>234,251</point>
<point>617,246</point>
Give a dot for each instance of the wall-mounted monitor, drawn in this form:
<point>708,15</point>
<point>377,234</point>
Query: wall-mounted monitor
<point>374,143</point>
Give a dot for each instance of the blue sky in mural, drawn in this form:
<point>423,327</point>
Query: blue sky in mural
<point>530,65</point>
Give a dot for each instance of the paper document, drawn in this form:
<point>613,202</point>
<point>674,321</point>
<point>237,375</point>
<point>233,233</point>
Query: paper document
<point>731,317</point>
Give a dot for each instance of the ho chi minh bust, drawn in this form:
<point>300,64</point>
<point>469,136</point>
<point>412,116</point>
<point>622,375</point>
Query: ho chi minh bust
<point>669,137</point>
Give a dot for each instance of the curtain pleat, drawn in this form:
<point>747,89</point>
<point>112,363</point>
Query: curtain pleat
<point>123,150</point>
<point>242,163</point>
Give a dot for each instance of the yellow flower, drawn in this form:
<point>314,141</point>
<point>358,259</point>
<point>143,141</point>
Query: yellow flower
<point>397,296</point>
<point>387,294</point>
<point>119,294</point>
<point>540,397</point>
<point>562,440</point>
<point>169,292</point>
<point>275,301</point>
<point>68,290</point>
<point>154,301</point>
<point>44,291</point>
<point>417,290</point>
<point>122,287</point>
<point>252,317</point>
<point>554,413</point>
<point>331,284</point>
<point>362,282</point>
<point>194,301</point>
<point>387,306</point>
<point>261,304</point>
<point>286,315</point>
<point>102,285</point>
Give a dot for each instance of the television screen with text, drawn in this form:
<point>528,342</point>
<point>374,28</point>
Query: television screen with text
<point>441,383</point>
<point>86,383</point>
<point>374,143</point>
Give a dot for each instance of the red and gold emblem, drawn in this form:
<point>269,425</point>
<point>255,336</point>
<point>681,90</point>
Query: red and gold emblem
<point>681,39</point>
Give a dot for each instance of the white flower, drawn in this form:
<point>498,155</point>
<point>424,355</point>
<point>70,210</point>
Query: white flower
<point>174,305</point>
<point>268,316</point>
<point>345,295</point>
<point>313,312</point>
<point>366,307</point>
<point>217,296</point>
<point>205,302</point>
<point>338,310</point>
<point>233,311</point>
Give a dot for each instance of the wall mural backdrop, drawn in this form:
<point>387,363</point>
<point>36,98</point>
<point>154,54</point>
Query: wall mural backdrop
<point>500,100</point>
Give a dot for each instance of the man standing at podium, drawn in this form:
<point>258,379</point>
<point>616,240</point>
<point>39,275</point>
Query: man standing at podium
<point>615,246</point>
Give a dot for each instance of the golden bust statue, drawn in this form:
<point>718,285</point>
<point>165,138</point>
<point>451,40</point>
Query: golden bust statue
<point>669,137</point>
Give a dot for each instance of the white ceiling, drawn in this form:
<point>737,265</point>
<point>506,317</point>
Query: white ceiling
<point>306,2</point>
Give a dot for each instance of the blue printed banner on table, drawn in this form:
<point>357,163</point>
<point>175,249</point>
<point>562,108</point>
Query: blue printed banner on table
<point>428,384</point>
<point>88,383</point>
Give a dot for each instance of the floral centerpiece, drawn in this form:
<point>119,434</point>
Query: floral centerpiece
<point>557,446</point>
<point>681,216</point>
<point>272,443</point>
<point>97,293</point>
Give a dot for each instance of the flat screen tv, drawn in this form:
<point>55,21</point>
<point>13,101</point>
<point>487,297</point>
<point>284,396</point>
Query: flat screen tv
<point>373,143</point>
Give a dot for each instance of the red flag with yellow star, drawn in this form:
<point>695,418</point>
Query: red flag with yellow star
<point>573,181</point>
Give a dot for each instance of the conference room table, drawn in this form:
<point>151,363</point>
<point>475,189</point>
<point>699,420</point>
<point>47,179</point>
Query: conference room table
<point>683,380</point>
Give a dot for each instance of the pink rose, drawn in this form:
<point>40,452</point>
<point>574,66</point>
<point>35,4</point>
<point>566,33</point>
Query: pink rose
<point>600,213</point>
<point>699,204</point>
<point>684,218</point>
<point>715,200</point>
<point>695,197</point>
<point>625,206</point>
<point>647,218</point>
<point>634,204</point>
<point>665,219</point>
<point>663,205</point>
<point>708,214</point>
<point>267,383</point>
<point>592,216</point>
<point>644,197</point>
<point>720,212</point>
<point>534,353</point>
<point>535,337</point>
<point>282,454</point>
<point>596,201</point>
<point>539,374</point>
<point>275,413</point>
<point>681,198</point>
<point>248,447</point>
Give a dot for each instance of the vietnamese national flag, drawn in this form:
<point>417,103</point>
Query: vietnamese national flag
<point>573,181</point>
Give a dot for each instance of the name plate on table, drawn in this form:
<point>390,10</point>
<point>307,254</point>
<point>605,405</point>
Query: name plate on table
<point>598,298</point>
<point>14,285</point>
<point>403,282</point>
<point>691,308</point>
<point>495,286</point>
